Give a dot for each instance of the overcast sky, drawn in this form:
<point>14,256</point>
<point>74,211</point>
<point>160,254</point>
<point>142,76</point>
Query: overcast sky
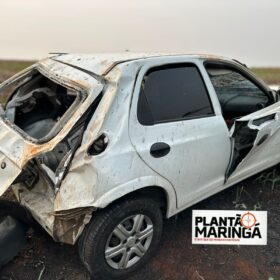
<point>247,30</point>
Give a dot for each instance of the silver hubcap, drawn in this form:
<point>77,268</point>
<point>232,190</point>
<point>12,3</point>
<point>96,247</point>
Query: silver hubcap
<point>129,241</point>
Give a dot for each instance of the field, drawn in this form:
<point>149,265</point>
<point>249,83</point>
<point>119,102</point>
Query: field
<point>177,258</point>
<point>9,68</point>
<point>269,75</point>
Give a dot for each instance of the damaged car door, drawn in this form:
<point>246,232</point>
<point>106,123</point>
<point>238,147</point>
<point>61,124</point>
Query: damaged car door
<point>252,117</point>
<point>37,134</point>
<point>256,141</point>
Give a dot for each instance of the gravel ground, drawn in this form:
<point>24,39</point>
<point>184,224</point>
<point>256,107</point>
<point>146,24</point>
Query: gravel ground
<point>177,258</point>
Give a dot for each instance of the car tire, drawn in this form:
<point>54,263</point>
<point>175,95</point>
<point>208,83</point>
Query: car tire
<point>121,238</point>
<point>15,210</point>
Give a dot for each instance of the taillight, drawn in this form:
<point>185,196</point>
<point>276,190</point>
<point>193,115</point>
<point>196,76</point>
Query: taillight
<point>99,145</point>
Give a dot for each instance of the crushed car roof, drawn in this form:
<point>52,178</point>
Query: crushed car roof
<point>101,64</point>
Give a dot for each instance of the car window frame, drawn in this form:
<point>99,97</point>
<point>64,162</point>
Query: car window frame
<point>168,66</point>
<point>245,73</point>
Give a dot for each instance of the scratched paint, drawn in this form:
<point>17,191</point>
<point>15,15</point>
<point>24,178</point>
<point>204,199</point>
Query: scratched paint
<point>93,182</point>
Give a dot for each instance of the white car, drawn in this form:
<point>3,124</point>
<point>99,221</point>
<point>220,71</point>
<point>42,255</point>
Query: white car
<point>99,148</point>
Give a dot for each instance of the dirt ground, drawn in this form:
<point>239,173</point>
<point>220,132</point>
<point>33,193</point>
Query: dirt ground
<point>177,258</point>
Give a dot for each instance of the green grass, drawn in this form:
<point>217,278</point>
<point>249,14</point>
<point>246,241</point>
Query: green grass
<point>269,75</point>
<point>10,67</point>
<point>14,66</point>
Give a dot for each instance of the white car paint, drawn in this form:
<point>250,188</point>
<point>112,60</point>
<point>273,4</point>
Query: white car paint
<point>193,170</point>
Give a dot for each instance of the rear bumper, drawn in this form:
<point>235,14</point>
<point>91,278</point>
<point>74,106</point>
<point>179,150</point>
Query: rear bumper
<point>64,226</point>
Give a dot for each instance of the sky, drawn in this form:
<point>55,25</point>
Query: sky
<point>246,30</point>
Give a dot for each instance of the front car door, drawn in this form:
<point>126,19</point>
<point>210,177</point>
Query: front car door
<point>252,116</point>
<point>176,131</point>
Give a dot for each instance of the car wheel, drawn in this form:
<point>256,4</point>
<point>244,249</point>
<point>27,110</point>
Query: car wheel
<point>121,239</point>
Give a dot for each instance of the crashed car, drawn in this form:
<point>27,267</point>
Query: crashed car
<point>99,148</point>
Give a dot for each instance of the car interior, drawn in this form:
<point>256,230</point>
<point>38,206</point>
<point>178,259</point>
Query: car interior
<point>238,95</point>
<point>38,104</point>
<point>39,107</point>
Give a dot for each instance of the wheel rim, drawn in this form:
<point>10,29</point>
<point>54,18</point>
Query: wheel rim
<point>129,241</point>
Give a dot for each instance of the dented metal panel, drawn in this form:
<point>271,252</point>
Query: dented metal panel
<point>9,171</point>
<point>102,63</point>
<point>262,147</point>
<point>64,201</point>
<point>20,148</point>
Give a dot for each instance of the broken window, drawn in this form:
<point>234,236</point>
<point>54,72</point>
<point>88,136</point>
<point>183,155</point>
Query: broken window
<point>172,93</point>
<point>38,105</point>
<point>238,95</point>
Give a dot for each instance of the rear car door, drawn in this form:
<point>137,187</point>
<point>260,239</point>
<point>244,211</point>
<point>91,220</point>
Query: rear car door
<point>252,116</point>
<point>175,130</point>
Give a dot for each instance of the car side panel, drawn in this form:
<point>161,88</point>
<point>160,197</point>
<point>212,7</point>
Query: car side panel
<point>200,148</point>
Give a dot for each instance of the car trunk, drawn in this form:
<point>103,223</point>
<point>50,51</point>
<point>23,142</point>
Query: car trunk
<point>46,112</point>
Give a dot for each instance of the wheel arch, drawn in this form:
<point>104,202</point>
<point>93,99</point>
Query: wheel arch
<point>162,192</point>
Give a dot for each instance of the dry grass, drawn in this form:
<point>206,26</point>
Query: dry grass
<point>13,65</point>
<point>269,75</point>
<point>10,67</point>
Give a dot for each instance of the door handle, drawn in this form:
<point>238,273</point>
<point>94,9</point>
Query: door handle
<point>159,149</point>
